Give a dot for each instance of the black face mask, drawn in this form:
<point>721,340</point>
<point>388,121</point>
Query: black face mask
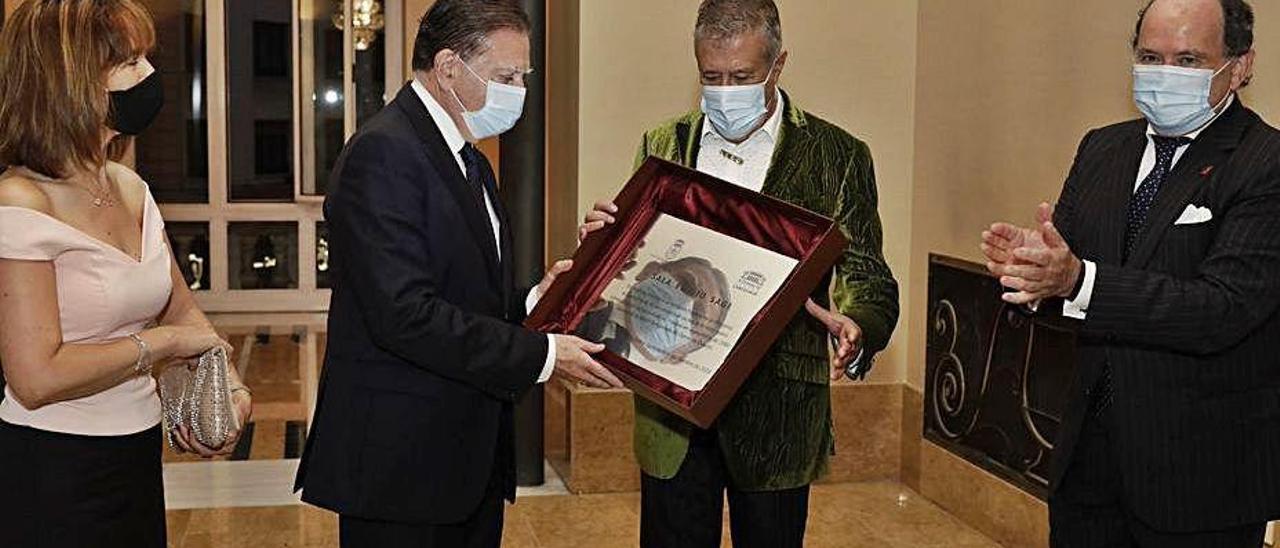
<point>133,109</point>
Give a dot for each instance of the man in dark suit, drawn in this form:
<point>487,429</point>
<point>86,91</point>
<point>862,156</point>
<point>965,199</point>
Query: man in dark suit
<point>412,439</point>
<point>1165,244</point>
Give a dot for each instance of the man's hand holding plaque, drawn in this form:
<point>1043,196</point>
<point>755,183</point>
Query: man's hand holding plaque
<point>573,355</point>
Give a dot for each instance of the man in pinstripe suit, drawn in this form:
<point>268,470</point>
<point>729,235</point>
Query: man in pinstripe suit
<point>1165,244</point>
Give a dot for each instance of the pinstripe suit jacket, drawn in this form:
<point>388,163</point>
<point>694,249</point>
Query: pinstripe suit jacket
<point>1189,323</point>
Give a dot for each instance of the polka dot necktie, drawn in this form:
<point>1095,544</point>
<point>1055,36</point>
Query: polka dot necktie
<point>1139,207</point>
<point>1140,204</point>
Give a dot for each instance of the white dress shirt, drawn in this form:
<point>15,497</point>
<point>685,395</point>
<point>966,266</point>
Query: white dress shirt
<point>744,164</point>
<point>455,141</point>
<point>1079,308</point>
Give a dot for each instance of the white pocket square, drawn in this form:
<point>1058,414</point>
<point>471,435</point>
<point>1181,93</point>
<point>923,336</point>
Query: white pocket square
<point>1194,215</point>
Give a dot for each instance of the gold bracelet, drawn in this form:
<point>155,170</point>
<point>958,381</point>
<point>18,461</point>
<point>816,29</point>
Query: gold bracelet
<point>244,388</point>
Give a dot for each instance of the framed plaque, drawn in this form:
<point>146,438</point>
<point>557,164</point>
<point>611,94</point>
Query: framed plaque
<point>691,286</point>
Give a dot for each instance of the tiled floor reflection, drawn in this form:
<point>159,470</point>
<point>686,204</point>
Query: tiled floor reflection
<point>871,515</point>
<point>247,501</point>
<point>264,483</point>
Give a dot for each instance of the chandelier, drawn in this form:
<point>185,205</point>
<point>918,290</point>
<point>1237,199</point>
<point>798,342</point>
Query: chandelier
<point>366,21</point>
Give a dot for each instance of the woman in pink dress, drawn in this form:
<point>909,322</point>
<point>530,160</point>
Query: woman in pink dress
<point>90,296</point>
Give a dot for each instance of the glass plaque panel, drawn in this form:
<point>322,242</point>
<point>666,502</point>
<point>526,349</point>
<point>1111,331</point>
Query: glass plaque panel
<point>692,285</point>
<point>682,303</point>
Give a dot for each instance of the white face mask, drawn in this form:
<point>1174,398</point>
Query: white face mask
<point>736,111</point>
<point>503,106</point>
<point>1175,100</point>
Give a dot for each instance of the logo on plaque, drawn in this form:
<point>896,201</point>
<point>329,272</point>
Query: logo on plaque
<point>751,283</point>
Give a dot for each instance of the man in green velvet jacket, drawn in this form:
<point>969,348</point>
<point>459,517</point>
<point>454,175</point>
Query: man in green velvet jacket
<point>776,436</point>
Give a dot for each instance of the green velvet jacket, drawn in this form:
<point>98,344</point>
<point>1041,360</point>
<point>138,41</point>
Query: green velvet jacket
<point>777,432</point>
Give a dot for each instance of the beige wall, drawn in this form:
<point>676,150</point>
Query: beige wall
<point>852,62</point>
<point>563,80</point>
<point>413,12</point>
<point>1006,90</point>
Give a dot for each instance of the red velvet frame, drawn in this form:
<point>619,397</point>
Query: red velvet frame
<point>663,187</point>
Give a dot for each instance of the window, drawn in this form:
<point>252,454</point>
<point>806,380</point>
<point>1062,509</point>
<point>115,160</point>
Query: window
<point>173,154</point>
<point>333,35</point>
<point>260,89</point>
<point>257,114</point>
<point>322,92</point>
<point>263,255</point>
<point>323,266</point>
<point>190,244</point>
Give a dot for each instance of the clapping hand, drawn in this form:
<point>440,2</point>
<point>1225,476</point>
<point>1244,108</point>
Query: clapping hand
<point>1036,263</point>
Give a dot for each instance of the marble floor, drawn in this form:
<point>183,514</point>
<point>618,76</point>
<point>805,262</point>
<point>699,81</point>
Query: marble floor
<point>246,499</point>
<point>871,515</point>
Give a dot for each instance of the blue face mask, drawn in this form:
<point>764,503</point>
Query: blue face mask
<point>661,335</point>
<point>503,106</point>
<point>1175,100</point>
<point>736,111</point>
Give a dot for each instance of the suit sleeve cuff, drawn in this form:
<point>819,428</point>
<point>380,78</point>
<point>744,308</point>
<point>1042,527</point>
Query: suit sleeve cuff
<point>550,366</point>
<point>1078,307</point>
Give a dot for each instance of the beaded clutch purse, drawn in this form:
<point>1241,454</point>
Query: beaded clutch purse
<point>198,396</point>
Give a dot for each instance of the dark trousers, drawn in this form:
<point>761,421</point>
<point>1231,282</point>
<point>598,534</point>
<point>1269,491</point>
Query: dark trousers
<point>80,491</point>
<point>1088,509</point>
<point>687,511</point>
<point>483,529</point>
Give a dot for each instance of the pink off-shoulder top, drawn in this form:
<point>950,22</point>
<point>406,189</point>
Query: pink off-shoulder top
<point>104,294</point>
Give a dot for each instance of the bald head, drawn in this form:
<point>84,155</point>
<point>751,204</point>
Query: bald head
<point>1199,34</point>
<point>1231,21</point>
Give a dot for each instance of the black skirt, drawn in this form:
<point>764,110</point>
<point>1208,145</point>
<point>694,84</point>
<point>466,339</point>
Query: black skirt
<point>61,490</point>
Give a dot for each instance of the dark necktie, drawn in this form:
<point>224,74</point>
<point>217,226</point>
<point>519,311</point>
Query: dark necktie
<point>1145,196</point>
<point>1139,206</point>
<point>477,182</point>
<point>475,177</point>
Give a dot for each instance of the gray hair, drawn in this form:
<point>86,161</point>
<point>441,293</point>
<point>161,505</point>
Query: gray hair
<point>725,19</point>
<point>464,27</point>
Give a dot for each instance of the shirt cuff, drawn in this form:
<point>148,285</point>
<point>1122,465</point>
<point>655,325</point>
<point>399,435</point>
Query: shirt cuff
<point>549,367</point>
<point>531,301</point>
<point>1078,308</point>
